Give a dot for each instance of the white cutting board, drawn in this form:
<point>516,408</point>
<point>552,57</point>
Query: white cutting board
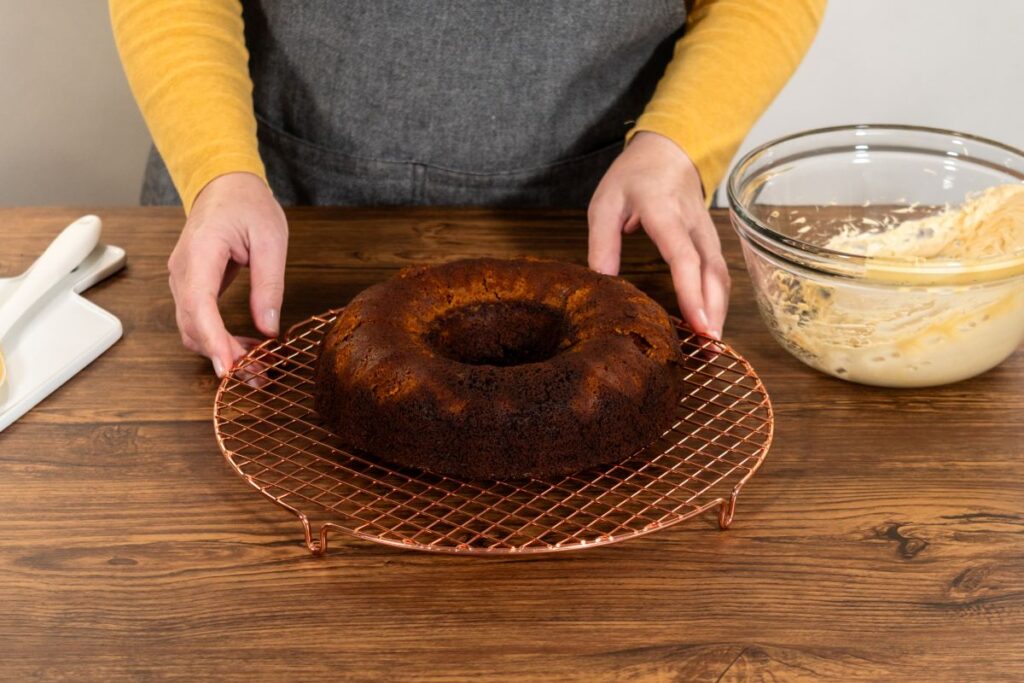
<point>60,335</point>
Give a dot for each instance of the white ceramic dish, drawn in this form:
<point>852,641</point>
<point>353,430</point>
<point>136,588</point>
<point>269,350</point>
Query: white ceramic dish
<point>60,337</point>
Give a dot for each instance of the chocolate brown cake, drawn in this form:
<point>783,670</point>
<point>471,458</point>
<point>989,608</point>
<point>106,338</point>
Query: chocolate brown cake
<point>500,369</point>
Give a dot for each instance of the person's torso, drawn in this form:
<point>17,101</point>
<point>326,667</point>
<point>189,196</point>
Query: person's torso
<point>467,85</point>
<point>453,102</point>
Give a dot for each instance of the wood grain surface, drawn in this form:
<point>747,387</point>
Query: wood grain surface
<point>882,540</point>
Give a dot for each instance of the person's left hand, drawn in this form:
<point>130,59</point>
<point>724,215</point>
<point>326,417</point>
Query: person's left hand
<point>653,184</point>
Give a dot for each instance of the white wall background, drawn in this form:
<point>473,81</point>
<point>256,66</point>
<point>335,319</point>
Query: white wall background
<point>70,132</point>
<point>943,63</point>
<point>69,129</point>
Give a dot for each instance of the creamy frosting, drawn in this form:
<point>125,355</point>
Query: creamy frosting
<point>988,225</point>
<point>876,332</point>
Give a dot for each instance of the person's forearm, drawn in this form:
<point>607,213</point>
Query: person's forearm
<point>187,65</point>
<point>734,58</point>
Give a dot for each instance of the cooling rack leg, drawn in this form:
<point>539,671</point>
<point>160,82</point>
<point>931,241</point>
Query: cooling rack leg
<point>321,547</point>
<point>313,546</point>
<point>727,510</point>
<point>316,547</point>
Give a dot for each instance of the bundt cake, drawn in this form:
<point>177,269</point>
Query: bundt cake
<point>499,369</point>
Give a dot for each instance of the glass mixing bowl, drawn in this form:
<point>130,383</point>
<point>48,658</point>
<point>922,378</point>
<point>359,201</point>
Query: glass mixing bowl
<point>886,321</point>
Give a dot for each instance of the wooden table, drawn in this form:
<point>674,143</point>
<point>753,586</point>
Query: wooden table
<point>882,539</point>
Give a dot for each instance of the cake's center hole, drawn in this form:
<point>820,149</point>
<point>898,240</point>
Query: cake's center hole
<point>502,333</point>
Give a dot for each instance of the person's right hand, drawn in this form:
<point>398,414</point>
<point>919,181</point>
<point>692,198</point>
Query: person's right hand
<point>235,221</point>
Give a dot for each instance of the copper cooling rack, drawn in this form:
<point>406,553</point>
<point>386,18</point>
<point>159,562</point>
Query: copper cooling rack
<point>271,435</point>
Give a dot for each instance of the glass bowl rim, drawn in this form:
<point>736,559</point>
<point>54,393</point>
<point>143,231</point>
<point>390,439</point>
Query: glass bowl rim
<point>996,266</point>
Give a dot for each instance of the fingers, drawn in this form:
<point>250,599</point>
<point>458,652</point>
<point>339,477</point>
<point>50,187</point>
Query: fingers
<point>715,278</point>
<point>235,222</point>
<point>248,343</point>
<point>631,225</point>
<point>670,235</point>
<point>200,271</point>
<point>195,282</point>
<point>654,184</point>
<point>229,275</point>
<point>604,243</point>
<point>252,371</point>
<point>699,273</point>
<point>266,264</point>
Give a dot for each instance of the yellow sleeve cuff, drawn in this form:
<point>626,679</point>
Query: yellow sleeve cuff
<point>228,162</point>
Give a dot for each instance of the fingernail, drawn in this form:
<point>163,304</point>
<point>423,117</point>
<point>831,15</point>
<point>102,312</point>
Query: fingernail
<point>218,367</point>
<point>270,320</point>
<point>715,334</point>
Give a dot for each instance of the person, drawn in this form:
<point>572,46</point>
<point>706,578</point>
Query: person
<point>257,103</point>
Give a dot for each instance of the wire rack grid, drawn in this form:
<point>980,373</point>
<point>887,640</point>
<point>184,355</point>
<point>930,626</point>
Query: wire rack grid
<point>269,432</point>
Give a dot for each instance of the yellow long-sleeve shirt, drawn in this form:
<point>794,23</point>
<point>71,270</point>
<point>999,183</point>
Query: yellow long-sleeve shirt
<point>186,62</point>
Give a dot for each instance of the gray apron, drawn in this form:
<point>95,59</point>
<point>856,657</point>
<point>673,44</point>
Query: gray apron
<point>446,102</point>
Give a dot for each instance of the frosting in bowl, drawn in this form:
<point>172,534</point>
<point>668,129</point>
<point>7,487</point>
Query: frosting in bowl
<point>883,330</point>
